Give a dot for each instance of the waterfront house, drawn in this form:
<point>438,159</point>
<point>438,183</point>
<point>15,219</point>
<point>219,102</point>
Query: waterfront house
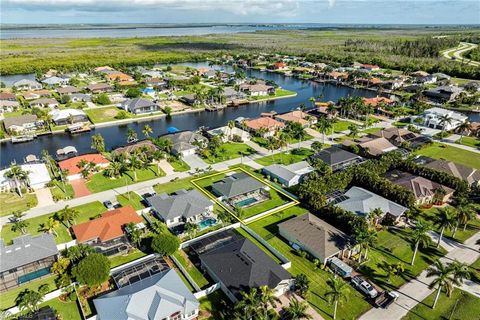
<point>239,265</point>
<point>432,119</point>
<point>26,259</point>
<point>232,95</point>
<point>107,234</point>
<point>134,146</point>
<point>337,159</point>
<point>44,103</point>
<point>140,106</point>
<point>31,95</point>
<point>230,134</point>
<point>288,175</point>
<point>157,295</point>
<point>68,90</point>
<point>186,143</point>
<point>468,174</point>
<point>241,190</point>
<point>257,89</point>
<point>361,202</point>
<point>37,173</point>
<point>55,81</point>
<point>26,84</point>
<point>369,67</point>
<point>181,207</point>
<point>190,99</point>
<point>398,136</point>
<point>443,93</point>
<point>99,87</point>
<point>315,236</point>
<point>280,66</point>
<point>297,116</point>
<point>8,105</point>
<point>263,126</point>
<point>156,83</point>
<point>424,190</point>
<point>22,124</point>
<point>375,147</point>
<point>71,164</point>
<point>68,116</point>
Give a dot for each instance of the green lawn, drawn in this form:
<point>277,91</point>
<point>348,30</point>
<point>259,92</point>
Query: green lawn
<point>98,115</point>
<point>267,229</point>
<point>67,310</point>
<point>278,93</point>
<point>371,130</point>
<point>58,193</point>
<point>228,151</point>
<point>7,299</point>
<point>131,199</point>
<point>194,273</point>
<point>99,182</point>
<point>276,200</point>
<point>86,212</point>
<point>177,184</point>
<point>475,269</point>
<point>470,141</point>
<point>442,151</point>
<point>460,306</point>
<point>341,125</point>
<point>122,259</point>
<point>395,247</point>
<point>178,165</point>
<point>287,157</point>
<point>11,202</point>
<point>212,305</point>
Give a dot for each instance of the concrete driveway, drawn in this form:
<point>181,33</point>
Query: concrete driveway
<point>44,197</point>
<point>195,162</point>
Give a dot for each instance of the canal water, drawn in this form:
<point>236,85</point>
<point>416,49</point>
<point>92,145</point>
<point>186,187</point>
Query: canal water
<point>116,135</point>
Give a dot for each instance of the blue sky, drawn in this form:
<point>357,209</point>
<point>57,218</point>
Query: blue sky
<point>242,11</point>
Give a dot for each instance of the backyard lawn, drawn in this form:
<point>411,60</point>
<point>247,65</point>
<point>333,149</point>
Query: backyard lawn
<point>67,310</point>
<point>228,151</point>
<point>194,273</point>
<point>11,202</point>
<point>99,182</point>
<point>278,93</point>
<point>213,304</point>
<point>470,141</point>
<point>442,151</point>
<point>122,259</point>
<point>461,305</point>
<point>8,298</point>
<point>276,200</point>
<point>286,158</point>
<point>395,246</point>
<point>341,125</point>
<point>355,305</point>
<point>98,115</point>
<point>131,199</point>
<point>85,213</point>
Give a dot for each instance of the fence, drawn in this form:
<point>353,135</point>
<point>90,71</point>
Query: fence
<point>185,273</point>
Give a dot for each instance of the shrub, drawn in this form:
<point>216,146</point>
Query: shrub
<point>165,244</point>
<point>133,93</point>
<point>102,99</point>
<point>92,270</point>
<point>122,114</point>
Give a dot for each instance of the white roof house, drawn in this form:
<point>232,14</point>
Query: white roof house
<point>288,175</point>
<point>432,118</point>
<point>228,133</point>
<point>38,176</point>
<point>27,84</point>
<point>53,81</point>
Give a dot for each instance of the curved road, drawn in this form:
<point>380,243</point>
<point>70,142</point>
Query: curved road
<point>456,53</point>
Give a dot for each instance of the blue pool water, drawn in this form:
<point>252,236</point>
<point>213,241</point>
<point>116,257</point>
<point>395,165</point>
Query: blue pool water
<point>246,202</point>
<point>33,275</point>
<point>207,223</point>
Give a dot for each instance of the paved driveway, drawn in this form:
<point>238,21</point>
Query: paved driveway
<point>44,197</point>
<point>80,188</point>
<point>195,162</point>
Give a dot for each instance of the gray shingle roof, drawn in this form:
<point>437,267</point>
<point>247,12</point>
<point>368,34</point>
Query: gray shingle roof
<point>183,140</point>
<point>26,249</point>
<point>156,297</point>
<point>333,156</point>
<point>241,265</point>
<point>236,184</point>
<point>182,204</point>
<point>137,103</point>
<point>20,120</point>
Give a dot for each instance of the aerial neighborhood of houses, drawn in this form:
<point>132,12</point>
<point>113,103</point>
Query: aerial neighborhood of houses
<point>299,205</point>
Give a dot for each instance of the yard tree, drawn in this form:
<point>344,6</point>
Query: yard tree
<point>165,244</point>
<point>147,130</point>
<point>444,279</point>
<point>131,135</point>
<point>466,213</point>
<point>317,146</point>
<point>18,224</point>
<point>301,284</point>
<point>249,306</point>
<point>50,226</point>
<point>445,220</point>
<point>92,270</point>
<point>18,175</point>
<point>28,300</point>
<point>337,294</point>
<point>365,239</point>
<point>296,310</point>
<point>133,93</point>
<point>267,299</point>
<point>67,215</point>
<point>98,143</point>
<point>102,99</point>
<point>135,233</point>
<point>420,237</point>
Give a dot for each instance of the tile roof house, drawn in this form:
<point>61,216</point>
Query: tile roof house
<point>8,105</point>
<point>361,202</point>
<point>423,189</point>
<point>31,95</point>
<point>71,164</point>
<point>240,265</point>
<point>68,90</point>
<point>377,101</point>
<point>132,147</point>
<point>140,106</point>
<point>118,76</point>
<point>288,175</point>
<point>99,87</point>
<point>470,175</point>
<point>269,125</point>
<point>23,123</point>
<point>161,296</point>
<point>377,146</point>
<point>28,258</point>
<point>311,234</point>
<point>8,96</point>
<point>297,116</point>
<point>337,159</point>
<point>185,143</point>
<point>180,207</point>
<point>26,84</point>
<point>107,233</point>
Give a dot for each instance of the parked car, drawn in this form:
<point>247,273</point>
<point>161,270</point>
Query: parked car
<point>365,287</point>
<point>108,204</point>
<point>385,299</point>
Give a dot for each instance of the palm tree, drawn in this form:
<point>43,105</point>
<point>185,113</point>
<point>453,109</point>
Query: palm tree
<point>301,284</point>
<point>131,135</point>
<point>134,163</point>
<point>444,121</point>
<point>18,175</point>
<point>296,310</point>
<point>466,213</point>
<point>312,100</point>
<point>365,239</point>
<point>317,146</point>
<point>420,237</point>
<point>147,130</point>
<point>29,300</point>
<point>444,219</point>
<point>98,143</point>
<point>51,225</point>
<point>323,126</point>
<point>338,293</point>
<point>462,128</point>
<point>49,162</point>
<point>116,168</point>
<point>135,233</point>
<point>18,224</point>
<point>267,298</point>
<point>374,215</point>
<point>231,125</point>
<point>249,303</point>
<point>444,279</point>
<point>68,215</point>
<point>461,271</point>
<point>393,269</point>
<point>191,229</point>
<point>353,130</point>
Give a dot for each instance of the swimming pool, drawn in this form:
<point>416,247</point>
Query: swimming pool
<point>246,202</point>
<point>207,223</point>
<point>33,275</point>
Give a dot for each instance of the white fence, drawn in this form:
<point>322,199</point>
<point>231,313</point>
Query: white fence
<point>207,291</point>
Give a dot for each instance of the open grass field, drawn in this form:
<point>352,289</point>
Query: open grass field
<point>461,305</point>
<point>341,125</point>
<point>7,299</point>
<point>442,151</point>
<point>177,184</point>
<point>267,229</point>
<point>11,202</point>
<point>105,114</point>
<point>85,213</point>
<point>228,151</point>
<point>286,158</point>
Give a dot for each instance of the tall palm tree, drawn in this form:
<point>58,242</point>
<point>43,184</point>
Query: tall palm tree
<point>131,135</point>
<point>18,175</point>
<point>444,279</point>
<point>374,215</point>
<point>68,215</point>
<point>323,126</point>
<point>338,293</point>
<point>135,233</point>
<point>444,121</point>
<point>420,237</point>
<point>231,125</point>
<point>147,130</point>
<point>267,299</point>
<point>29,300</point>
<point>18,224</point>
<point>98,143</point>
<point>134,163</point>
<point>365,240</point>
<point>444,219</point>
<point>353,130</point>
<point>249,303</point>
<point>115,169</point>
<point>463,128</point>
<point>466,213</point>
<point>296,310</point>
<point>461,271</point>
<point>49,162</point>
<point>50,226</point>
